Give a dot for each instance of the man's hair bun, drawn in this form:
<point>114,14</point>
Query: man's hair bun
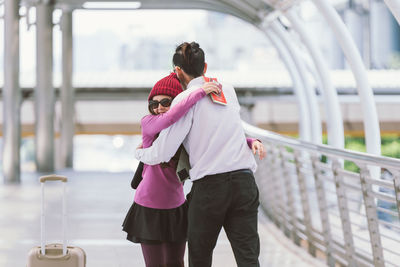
<point>190,57</point>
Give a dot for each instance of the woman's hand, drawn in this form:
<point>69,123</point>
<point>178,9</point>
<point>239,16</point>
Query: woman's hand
<point>140,146</point>
<point>257,146</point>
<point>211,87</point>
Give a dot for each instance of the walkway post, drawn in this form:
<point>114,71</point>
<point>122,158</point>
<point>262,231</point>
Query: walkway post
<point>342,202</point>
<point>372,218</point>
<point>299,158</point>
<point>44,94</point>
<point>323,210</point>
<point>67,93</point>
<point>11,94</point>
<point>290,205</point>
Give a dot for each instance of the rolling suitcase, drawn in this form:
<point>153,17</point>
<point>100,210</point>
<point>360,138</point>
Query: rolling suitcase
<point>55,255</point>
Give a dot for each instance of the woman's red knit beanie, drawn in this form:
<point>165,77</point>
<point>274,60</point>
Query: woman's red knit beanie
<point>169,85</point>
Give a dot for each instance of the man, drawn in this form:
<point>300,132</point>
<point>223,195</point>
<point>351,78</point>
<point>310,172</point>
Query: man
<point>224,193</point>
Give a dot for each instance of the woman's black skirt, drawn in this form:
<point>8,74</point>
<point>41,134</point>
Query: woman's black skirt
<point>154,226</point>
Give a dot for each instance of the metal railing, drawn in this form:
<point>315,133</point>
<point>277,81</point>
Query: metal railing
<point>350,218</point>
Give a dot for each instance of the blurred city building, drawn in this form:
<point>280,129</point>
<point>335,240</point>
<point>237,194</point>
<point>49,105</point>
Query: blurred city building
<point>115,66</point>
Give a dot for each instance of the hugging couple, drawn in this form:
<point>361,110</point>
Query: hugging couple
<point>223,192</point>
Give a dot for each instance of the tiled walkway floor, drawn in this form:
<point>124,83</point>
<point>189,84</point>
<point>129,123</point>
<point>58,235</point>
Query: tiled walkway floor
<point>97,203</point>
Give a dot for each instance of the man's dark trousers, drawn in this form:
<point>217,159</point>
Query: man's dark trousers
<point>228,200</point>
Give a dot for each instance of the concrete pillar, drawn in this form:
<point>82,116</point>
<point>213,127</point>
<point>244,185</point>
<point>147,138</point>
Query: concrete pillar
<point>382,26</point>
<point>11,94</point>
<point>67,91</point>
<point>394,6</point>
<point>355,24</point>
<point>44,94</point>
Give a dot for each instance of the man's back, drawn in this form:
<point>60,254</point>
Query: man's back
<point>216,141</point>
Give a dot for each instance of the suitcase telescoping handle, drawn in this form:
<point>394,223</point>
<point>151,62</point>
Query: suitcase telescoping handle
<point>42,180</point>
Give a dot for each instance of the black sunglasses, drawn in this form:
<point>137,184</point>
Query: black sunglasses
<point>165,102</point>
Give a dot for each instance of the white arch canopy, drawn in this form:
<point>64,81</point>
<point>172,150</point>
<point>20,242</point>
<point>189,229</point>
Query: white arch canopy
<point>256,12</point>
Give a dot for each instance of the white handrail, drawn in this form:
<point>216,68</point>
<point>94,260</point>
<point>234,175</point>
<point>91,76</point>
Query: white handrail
<point>365,158</point>
<point>330,193</point>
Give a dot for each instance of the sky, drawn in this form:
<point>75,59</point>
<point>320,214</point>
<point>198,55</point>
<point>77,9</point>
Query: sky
<point>123,23</point>
<point>127,25</point>
<point>141,22</point>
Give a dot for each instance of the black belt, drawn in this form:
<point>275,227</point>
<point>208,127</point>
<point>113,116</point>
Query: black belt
<point>223,174</point>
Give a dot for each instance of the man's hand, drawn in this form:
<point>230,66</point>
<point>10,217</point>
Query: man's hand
<point>140,146</point>
<point>211,87</point>
<point>257,146</point>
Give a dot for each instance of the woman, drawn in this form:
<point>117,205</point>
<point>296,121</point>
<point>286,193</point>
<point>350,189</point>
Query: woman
<point>158,217</point>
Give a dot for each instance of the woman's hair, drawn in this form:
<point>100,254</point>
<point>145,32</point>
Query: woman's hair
<point>151,110</point>
<point>190,58</point>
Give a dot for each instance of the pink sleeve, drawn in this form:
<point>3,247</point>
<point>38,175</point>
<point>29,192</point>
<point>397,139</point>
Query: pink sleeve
<point>153,124</point>
<point>250,141</point>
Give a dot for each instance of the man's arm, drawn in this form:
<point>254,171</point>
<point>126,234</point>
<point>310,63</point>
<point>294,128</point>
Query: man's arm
<point>167,143</point>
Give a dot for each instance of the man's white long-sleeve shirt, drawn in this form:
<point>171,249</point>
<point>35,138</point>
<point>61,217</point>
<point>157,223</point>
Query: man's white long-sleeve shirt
<point>212,134</point>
